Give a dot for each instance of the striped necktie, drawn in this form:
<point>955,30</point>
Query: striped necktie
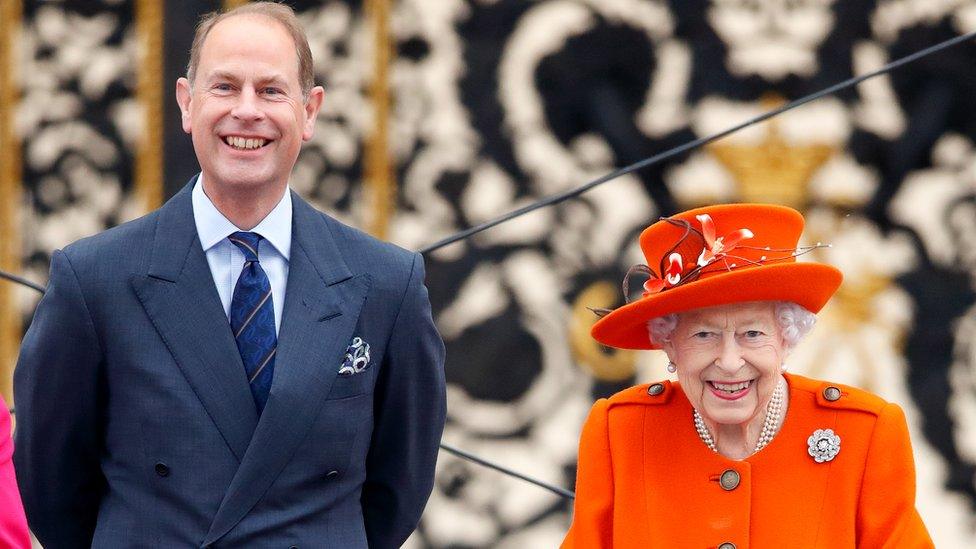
<point>252,319</point>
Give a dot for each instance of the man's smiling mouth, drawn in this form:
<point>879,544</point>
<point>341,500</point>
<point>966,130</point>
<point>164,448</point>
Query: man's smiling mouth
<point>245,143</point>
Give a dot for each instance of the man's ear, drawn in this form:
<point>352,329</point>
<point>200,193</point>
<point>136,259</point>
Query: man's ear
<point>312,106</point>
<point>183,97</point>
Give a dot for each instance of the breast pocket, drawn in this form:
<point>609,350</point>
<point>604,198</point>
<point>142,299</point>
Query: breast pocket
<point>354,384</point>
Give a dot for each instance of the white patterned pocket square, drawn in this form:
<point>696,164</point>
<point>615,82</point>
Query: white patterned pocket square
<point>356,359</point>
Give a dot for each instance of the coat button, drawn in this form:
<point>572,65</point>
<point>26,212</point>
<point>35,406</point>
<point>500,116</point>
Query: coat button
<point>655,389</point>
<point>831,393</point>
<point>162,469</point>
<point>331,475</point>
<point>729,480</point>
<point>727,545</point>
<point>292,547</point>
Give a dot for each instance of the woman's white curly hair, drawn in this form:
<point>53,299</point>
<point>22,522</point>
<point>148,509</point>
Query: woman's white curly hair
<point>794,320</point>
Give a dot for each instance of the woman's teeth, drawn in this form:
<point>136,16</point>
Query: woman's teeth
<point>245,142</point>
<point>730,387</point>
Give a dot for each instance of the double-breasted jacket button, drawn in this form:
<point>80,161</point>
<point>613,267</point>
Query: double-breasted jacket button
<point>331,475</point>
<point>729,480</point>
<point>727,545</point>
<point>831,393</point>
<point>162,469</point>
<point>292,547</point>
<point>655,389</point>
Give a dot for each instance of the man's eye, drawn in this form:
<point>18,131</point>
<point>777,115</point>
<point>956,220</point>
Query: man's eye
<point>272,91</point>
<point>222,87</point>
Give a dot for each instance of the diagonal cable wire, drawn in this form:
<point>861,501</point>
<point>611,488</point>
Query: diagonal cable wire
<point>21,280</point>
<point>561,197</point>
<point>485,463</point>
<point>691,145</point>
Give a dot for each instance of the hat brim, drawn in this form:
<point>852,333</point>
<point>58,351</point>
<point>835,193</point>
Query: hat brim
<point>807,284</point>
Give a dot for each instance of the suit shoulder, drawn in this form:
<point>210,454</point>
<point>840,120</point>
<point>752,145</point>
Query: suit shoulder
<point>838,396</point>
<point>365,250</point>
<point>117,242</point>
<point>648,394</point>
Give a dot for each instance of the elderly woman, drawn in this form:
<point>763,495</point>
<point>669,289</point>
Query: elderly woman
<point>738,453</point>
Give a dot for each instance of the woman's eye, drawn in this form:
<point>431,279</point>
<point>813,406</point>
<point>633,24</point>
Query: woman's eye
<point>753,333</point>
<point>702,335</point>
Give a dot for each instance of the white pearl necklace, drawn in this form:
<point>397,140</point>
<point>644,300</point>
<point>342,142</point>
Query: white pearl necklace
<point>774,410</point>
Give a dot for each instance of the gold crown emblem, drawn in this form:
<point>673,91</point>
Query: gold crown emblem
<point>772,170</point>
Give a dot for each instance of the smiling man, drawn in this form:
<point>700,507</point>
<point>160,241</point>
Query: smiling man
<point>235,369</point>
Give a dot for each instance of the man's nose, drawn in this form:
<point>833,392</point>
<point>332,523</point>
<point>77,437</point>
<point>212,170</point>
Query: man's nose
<point>730,356</point>
<point>247,107</point>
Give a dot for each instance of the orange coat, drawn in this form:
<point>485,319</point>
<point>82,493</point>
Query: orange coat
<point>645,479</point>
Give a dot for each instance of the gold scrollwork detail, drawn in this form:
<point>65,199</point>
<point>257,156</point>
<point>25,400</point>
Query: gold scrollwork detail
<point>148,177</point>
<point>605,364</point>
<point>379,169</point>
<point>10,190</point>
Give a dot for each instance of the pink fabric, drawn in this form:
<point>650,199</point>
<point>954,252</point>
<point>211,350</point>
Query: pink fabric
<point>13,525</point>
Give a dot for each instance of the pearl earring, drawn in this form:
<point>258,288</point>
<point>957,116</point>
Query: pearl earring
<point>672,368</point>
<point>783,367</point>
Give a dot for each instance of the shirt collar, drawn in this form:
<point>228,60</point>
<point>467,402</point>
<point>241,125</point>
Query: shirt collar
<point>212,226</point>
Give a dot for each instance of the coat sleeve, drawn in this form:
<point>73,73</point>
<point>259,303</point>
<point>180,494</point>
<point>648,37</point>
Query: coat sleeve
<point>13,525</point>
<point>886,514</point>
<point>592,526</point>
<point>56,387</point>
<point>410,410</point>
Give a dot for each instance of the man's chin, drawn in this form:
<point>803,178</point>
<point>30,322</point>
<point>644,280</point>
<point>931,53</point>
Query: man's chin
<point>240,180</point>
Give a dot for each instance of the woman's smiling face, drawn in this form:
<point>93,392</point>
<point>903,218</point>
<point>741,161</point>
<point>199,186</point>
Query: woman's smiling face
<point>729,359</point>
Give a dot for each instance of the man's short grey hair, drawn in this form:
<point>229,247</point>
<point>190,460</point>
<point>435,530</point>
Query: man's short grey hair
<point>280,13</point>
<point>795,321</point>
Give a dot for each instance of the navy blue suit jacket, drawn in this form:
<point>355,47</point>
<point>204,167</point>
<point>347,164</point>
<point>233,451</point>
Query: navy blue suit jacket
<point>136,427</point>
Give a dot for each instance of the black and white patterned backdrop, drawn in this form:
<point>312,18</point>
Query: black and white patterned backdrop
<point>501,102</point>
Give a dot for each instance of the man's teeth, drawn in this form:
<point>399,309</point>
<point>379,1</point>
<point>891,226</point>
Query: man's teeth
<point>245,143</point>
<point>731,387</point>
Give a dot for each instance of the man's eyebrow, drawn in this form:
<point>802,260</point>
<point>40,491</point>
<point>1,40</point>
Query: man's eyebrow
<point>276,79</point>
<point>221,75</point>
<point>273,78</point>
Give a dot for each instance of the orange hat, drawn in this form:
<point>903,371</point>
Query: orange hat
<point>717,255</point>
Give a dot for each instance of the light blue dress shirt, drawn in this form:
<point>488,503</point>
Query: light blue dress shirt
<point>226,260</point>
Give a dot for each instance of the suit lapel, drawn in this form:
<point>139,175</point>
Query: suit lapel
<point>179,295</point>
<point>322,304</point>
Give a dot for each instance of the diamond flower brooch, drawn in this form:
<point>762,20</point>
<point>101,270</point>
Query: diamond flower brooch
<point>823,445</point>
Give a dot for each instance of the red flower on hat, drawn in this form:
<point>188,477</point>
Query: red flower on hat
<point>718,247</point>
<point>672,276</point>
